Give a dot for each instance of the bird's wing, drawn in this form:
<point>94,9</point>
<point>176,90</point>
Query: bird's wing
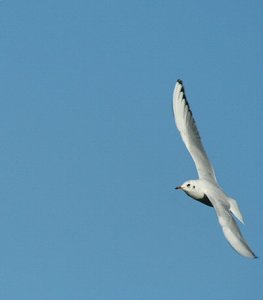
<point>186,125</point>
<point>229,226</point>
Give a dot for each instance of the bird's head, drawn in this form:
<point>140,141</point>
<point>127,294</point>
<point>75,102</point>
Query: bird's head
<point>192,189</point>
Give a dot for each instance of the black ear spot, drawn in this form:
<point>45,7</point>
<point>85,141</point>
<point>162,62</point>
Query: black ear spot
<point>194,186</point>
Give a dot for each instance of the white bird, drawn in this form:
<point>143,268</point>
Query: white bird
<point>206,189</point>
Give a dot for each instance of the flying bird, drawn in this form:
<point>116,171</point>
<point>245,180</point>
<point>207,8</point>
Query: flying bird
<point>206,189</point>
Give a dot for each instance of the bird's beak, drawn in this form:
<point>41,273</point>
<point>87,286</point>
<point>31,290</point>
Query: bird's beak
<point>178,188</point>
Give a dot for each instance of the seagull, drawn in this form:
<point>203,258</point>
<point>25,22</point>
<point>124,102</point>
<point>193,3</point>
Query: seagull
<point>206,189</point>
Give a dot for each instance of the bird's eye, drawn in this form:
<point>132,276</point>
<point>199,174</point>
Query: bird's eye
<point>188,184</point>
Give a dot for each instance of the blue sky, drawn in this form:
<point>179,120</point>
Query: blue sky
<point>90,156</point>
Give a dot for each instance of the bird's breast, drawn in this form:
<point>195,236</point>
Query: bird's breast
<point>201,197</point>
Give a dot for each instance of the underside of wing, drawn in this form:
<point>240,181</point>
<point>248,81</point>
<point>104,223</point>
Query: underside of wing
<point>186,125</point>
<point>230,228</point>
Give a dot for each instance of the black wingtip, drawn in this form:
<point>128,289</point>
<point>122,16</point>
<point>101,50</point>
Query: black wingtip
<point>182,88</point>
<point>184,94</point>
<point>180,81</point>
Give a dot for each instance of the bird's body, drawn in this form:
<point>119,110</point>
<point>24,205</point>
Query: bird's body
<point>206,189</point>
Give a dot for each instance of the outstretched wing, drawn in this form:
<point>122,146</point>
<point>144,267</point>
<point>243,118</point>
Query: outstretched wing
<point>186,125</point>
<point>230,228</point>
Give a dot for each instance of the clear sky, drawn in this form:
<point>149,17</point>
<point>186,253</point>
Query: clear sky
<point>90,155</point>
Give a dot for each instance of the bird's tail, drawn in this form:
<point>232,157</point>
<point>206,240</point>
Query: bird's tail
<point>235,210</point>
